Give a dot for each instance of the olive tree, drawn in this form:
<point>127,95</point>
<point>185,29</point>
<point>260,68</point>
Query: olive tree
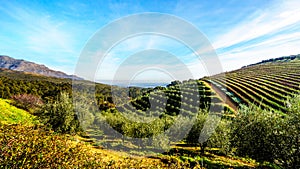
<point>213,136</point>
<point>60,115</point>
<point>267,135</point>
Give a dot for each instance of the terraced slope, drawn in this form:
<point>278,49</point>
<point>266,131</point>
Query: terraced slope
<point>174,99</point>
<point>267,84</point>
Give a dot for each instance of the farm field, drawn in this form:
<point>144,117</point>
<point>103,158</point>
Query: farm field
<point>146,113</point>
<point>150,84</point>
<point>267,84</point>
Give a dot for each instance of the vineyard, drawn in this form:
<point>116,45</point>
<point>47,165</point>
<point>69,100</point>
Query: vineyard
<point>186,97</point>
<point>164,122</point>
<point>154,111</point>
<point>266,84</point>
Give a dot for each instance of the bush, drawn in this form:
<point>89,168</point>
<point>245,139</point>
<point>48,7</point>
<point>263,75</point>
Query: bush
<point>257,133</point>
<point>60,115</point>
<point>221,137</point>
<point>194,134</point>
<point>26,101</point>
<point>209,131</point>
<point>268,136</point>
<point>30,147</point>
<point>37,147</point>
<point>292,159</point>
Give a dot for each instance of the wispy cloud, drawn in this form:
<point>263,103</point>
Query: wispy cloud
<point>273,19</point>
<point>47,38</point>
<point>268,33</point>
<point>242,32</point>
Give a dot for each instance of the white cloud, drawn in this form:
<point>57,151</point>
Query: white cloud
<point>48,36</point>
<point>41,37</point>
<point>41,32</point>
<point>271,20</point>
<point>270,33</point>
<point>273,48</point>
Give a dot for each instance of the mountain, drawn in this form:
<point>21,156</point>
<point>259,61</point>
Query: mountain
<point>10,63</point>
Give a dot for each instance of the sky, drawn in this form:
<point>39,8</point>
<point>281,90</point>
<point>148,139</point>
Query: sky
<point>54,33</point>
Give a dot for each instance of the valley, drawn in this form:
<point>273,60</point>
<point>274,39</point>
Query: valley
<point>93,125</point>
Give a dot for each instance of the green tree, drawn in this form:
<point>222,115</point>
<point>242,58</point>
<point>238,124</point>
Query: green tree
<point>194,134</point>
<point>204,133</point>
<point>292,159</point>
<point>265,135</point>
<point>60,115</point>
<point>220,138</point>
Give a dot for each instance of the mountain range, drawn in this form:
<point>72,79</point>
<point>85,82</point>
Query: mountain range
<point>10,63</point>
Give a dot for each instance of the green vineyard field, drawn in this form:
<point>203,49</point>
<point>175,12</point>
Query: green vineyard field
<point>265,84</point>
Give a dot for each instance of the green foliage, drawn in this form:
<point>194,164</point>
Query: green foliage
<point>220,138</point>
<point>293,105</point>
<point>141,134</point>
<point>214,136</point>
<point>28,147</point>
<point>85,109</point>
<point>36,147</point>
<point>44,88</point>
<point>194,134</point>
<point>48,88</point>
<point>11,115</point>
<point>268,136</point>
<point>292,159</point>
<point>60,115</point>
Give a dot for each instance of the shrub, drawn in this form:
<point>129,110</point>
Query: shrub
<point>194,134</point>
<point>268,136</point>
<point>60,115</point>
<point>256,132</point>
<point>220,138</point>
<point>31,147</point>
<point>292,159</point>
<point>209,131</point>
<point>37,147</point>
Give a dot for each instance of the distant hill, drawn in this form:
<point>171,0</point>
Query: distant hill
<point>10,63</point>
<point>274,60</point>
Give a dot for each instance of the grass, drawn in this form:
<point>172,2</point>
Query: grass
<point>179,156</point>
<point>12,115</point>
<point>211,159</point>
<point>32,147</point>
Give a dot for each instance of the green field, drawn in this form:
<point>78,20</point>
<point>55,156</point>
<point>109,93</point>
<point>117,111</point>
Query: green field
<point>13,115</point>
<point>267,85</point>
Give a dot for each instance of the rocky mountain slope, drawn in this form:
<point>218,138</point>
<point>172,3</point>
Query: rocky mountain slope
<point>7,62</point>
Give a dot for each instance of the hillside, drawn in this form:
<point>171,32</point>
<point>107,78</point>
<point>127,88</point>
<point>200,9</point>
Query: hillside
<point>276,60</point>
<point>30,67</point>
<point>13,115</point>
<point>48,88</point>
<point>267,83</point>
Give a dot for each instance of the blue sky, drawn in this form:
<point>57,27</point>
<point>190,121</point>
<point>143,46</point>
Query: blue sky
<point>242,32</point>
